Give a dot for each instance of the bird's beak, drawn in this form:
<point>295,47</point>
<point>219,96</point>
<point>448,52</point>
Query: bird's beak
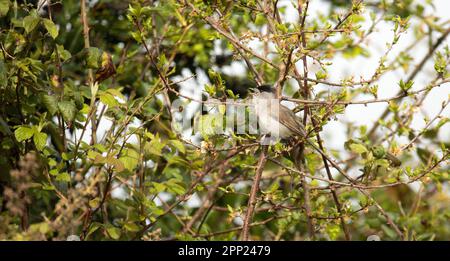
<point>252,90</point>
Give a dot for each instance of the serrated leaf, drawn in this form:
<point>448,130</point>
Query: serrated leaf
<point>130,159</point>
<point>132,227</point>
<point>94,203</point>
<point>64,177</point>
<point>118,165</point>
<point>382,163</point>
<point>162,61</point>
<point>68,110</point>
<point>108,99</point>
<point>260,19</point>
<point>358,148</point>
<point>53,172</point>
<point>23,133</point>
<point>50,103</point>
<point>321,75</point>
<point>175,187</point>
<point>93,58</point>
<point>154,147</point>
<point>47,186</point>
<point>379,152</point>
<point>178,145</point>
<point>4,7</point>
<point>93,154</point>
<point>52,29</point>
<point>159,187</point>
<point>93,228</point>
<point>63,53</point>
<point>405,86</point>
<point>30,22</point>
<point>113,232</point>
<point>3,74</point>
<point>116,93</point>
<point>313,161</point>
<point>40,140</point>
<point>273,187</point>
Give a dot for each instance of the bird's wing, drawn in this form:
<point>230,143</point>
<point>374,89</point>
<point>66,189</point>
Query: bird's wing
<point>291,121</point>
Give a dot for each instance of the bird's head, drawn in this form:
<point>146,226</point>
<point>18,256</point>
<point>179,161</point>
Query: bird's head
<point>265,88</point>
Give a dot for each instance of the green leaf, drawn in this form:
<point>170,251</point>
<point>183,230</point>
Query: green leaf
<point>159,187</point>
<point>47,186</point>
<point>118,165</point>
<point>40,140</point>
<point>405,86</point>
<point>282,27</point>
<point>93,58</point>
<point>64,177</point>
<point>92,154</point>
<point>136,36</point>
<point>52,29</point>
<point>23,133</point>
<point>113,232</point>
<point>4,7</point>
<point>108,99</point>
<point>3,74</point>
<point>154,147</point>
<point>94,203</point>
<point>116,93</point>
<point>440,63</point>
<point>379,152</point>
<point>67,155</point>
<point>130,159</point>
<point>178,145</point>
<point>260,19</point>
<point>68,110</point>
<point>63,53</point>
<point>381,163</point>
<point>132,227</point>
<point>388,231</point>
<point>274,187</point>
<point>51,103</point>
<point>321,75</point>
<point>313,161</point>
<point>93,228</point>
<point>30,22</point>
<point>175,187</point>
<point>358,148</point>
<point>162,60</point>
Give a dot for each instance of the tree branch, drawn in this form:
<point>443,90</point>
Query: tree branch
<point>252,198</point>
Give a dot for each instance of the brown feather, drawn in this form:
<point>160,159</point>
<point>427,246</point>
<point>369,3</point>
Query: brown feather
<point>291,121</point>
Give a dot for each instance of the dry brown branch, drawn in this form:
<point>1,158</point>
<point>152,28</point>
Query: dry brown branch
<point>252,197</point>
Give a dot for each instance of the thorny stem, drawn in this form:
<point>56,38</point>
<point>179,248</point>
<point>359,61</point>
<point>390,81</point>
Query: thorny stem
<point>252,197</point>
<point>85,23</point>
<point>413,75</point>
<point>305,93</point>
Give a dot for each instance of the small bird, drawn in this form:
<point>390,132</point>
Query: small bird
<point>281,122</point>
<point>274,118</point>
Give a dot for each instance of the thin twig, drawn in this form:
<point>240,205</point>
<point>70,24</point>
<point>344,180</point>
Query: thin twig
<point>254,190</point>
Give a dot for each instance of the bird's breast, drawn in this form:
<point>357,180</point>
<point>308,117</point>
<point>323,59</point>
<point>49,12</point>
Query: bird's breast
<point>268,114</point>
